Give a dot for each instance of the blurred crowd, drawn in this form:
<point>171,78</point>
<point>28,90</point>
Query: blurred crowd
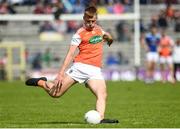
<point>74,6</point>
<point>159,1</point>
<point>57,7</point>
<point>167,16</point>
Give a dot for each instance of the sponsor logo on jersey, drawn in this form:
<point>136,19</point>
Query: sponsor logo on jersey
<point>95,39</point>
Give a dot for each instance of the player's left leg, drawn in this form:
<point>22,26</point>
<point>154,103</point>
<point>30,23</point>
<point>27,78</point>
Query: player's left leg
<point>98,88</point>
<point>171,69</point>
<point>150,72</point>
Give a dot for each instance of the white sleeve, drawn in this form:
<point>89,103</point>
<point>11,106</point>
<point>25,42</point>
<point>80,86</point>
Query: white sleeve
<point>103,32</point>
<point>76,40</point>
<point>172,42</point>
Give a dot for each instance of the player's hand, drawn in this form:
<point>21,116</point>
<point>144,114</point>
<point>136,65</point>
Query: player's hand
<point>108,39</point>
<point>146,49</point>
<point>58,83</point>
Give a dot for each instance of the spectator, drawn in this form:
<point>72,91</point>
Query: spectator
<point>154,22</point>
<point>176,57</point>
<point>46,27</point>
<point>30,2</point>
<point>37,61</point>
<point>123,33</point>
<point>169,12</point>
<point>142,26</point>
<point>68,6</point>
<point>47,57</point>
<point>3,64</point>
<point>171,1</point>
<point>122,59</point>
<point>177,14</point>
<point>4,8</point>
<point>127,6</point>
<point>102,10</point>
<point>59,9</point>
<point>118,7</point>
<point>112,60</point>
<point>60,26</point>
<point>120,31</point>
<point>72,26</point>
<point>177,25</point>
<point>110,7</point>
<point>162,21</point>
<point>26,54</point>
<point>39,9</point>
<point>177,21</point>
<point>47,9</point>
<point>143,1</point>
<point>77,7</point>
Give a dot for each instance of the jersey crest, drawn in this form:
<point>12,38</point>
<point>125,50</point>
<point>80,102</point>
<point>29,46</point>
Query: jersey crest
<point>95,39</point>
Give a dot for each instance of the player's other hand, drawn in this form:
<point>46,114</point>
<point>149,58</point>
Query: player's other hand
<point>58,83</point>
<point>108,39</point>
<point>59,78</point>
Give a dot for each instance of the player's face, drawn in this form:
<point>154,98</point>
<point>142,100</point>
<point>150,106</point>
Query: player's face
<point>90,22</point>
<point>153,30</point>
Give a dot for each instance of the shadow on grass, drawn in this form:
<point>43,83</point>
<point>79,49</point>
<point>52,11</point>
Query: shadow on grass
<point>48,123</point>
<point>61,122</point>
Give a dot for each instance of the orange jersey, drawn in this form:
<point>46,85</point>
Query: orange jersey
<point>90,44</point>
<point>166,44</point>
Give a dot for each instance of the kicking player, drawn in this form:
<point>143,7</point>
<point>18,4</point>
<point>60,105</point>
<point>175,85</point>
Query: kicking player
<point>150,43</point>
<point>87,64</point>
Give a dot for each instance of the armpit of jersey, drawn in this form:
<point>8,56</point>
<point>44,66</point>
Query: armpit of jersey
<point>76,40</point>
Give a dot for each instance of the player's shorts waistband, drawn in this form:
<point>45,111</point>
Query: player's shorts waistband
<point>87,66</point>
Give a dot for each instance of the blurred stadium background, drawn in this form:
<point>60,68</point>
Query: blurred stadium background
<point>34,38</point>
<point>43,30</point>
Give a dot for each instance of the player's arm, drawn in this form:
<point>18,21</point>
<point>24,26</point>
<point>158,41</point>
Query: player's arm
<point>143,43</point>
<point>159,49</point>
<point>76,40</point>
<point>66,62</point>
<point>108,38</point>
<point>68,58</point>
<point>171,45</point>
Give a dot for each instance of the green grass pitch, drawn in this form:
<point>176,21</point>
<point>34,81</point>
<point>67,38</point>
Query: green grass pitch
<point>134,104</point>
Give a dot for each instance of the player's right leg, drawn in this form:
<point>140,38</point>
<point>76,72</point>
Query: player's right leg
<point>52,89</point>
<point>163,76</point>
<point>150,72</point>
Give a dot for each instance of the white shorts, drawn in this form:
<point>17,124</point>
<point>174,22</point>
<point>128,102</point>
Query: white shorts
<point>164,60</point>
<point>83,72</point>
<point>152,56</point>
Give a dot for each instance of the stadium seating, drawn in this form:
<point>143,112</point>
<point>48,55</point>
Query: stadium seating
<point>28,33</point>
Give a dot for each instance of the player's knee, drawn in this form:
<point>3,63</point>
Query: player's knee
<point>55,95</point>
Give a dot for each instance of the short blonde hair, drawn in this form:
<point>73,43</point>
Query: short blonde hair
<point>90,11</point>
